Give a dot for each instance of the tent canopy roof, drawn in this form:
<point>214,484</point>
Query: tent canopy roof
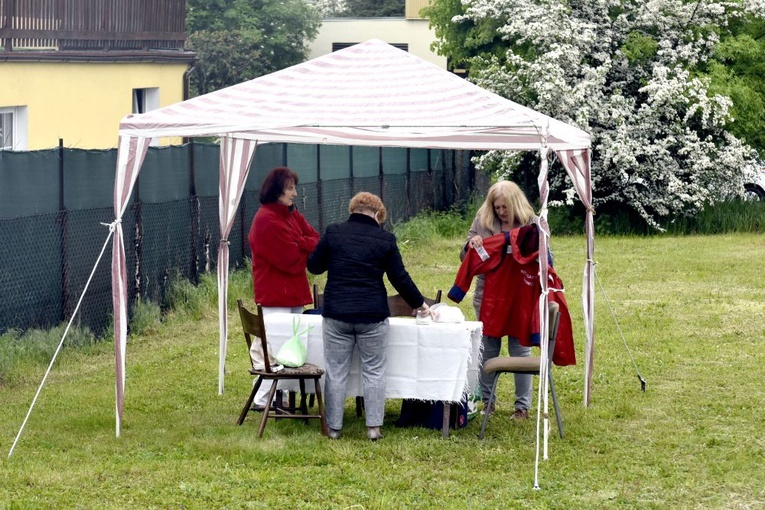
<point>368,94</point>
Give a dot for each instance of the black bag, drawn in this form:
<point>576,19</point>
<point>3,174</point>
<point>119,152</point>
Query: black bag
<point>418,413</point>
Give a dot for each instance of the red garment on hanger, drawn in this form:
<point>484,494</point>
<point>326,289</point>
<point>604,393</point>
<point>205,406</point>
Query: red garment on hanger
<point>512,290</point>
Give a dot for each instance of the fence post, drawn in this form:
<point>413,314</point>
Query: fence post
<point>243,232</point>
<point>444,184</point>
<point>455,183</point>
<point>381,173</point>
<point>350,169</point>
<point>408,183</point>
<point>62,218</point>
<point>319,189</point>
<point>431,198</point>
<point>195,212</point>
<point>470,171</point>
<point>138,239</point>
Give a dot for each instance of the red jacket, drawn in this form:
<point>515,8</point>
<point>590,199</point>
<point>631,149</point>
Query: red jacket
<point>280,241</point>
<point>512,289</point>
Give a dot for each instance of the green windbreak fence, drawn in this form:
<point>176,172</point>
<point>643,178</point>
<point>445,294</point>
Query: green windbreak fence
<point>54,204</point>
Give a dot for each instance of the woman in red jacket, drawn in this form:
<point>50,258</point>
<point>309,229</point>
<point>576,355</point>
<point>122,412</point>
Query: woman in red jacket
<point>280,241</point>
<point>505,208</point>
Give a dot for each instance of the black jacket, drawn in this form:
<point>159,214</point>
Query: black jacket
<point>356,254</point>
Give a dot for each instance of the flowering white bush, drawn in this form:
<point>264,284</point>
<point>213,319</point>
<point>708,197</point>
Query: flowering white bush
<point>625,72</point>
<point>328,8</point>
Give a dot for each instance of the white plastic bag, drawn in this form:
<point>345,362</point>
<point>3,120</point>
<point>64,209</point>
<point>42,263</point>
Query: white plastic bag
<point>447,313</point>
<point>294,353</point>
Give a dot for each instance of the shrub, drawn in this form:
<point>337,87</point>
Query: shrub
<point>239,284</point>
<point>183,297</point>
<point>430,225</point>
<point>719,218</point>
<point>37,347</point>
<point>145,317</point>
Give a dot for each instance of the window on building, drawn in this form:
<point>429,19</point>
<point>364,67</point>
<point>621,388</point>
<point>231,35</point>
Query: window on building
<point>342,45</point>
<point>6,130</point>
<point>13,128</point>
<point>146,100</point>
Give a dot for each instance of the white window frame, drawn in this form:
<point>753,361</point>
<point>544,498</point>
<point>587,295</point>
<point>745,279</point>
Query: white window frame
<point>146,100</point>
<point>17,141</point>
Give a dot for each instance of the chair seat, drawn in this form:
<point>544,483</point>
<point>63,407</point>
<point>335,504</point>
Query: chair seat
<point>512,364</point>
<point>526,365</point>
<point>307,370</point>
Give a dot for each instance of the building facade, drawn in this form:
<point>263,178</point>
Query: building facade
<point>410,33</point>
<point>70,71</point>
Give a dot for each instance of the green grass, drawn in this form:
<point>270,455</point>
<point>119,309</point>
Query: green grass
<point>690,308</point>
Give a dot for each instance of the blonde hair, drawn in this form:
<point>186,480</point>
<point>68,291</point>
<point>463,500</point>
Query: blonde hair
<point>369,202</point>
<point>518,205</point>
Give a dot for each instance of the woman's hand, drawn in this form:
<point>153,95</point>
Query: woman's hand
<point>475,242</point>
<point>425,311</point>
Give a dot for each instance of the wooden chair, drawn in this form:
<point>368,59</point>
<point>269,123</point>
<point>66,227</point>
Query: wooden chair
<point>400,308</point>
<point>529,365</point>
<point>252,325</point>
<point>318,298</point>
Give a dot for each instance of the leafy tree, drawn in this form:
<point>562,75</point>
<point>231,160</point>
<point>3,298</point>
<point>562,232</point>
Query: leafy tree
<point>373,8</point>
<point>238,40</point>
<point>638,76</point>
<point>329,8</point>
<point>736,70</point>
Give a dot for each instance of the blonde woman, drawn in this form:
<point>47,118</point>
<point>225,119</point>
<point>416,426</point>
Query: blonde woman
<point>505,208</point>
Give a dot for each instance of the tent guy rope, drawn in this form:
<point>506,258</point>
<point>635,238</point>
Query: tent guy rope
<point>112,226</point>
<point>619,329</point>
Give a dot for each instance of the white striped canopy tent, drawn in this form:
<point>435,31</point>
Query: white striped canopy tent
<point>370,94</point>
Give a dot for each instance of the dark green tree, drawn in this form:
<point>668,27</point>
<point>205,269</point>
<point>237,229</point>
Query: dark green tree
<point>373,8</point>
<point>238,40</point>
<point>462,40</point>
<point>738,71</point>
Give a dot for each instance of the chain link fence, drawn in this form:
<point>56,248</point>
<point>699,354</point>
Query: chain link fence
<point>55,207</point>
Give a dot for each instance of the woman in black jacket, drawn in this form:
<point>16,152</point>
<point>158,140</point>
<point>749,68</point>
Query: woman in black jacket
<point>356,254</point>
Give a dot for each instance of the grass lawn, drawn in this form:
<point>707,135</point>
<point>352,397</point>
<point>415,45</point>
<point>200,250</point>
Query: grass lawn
<point>691,309</point>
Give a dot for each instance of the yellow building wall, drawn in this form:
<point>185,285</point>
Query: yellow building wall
<point>83,103</point>
<point>413,8</point>
<point>414,32</point>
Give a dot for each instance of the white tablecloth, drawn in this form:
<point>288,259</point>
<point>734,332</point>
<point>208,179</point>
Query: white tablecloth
<point>428,362</point>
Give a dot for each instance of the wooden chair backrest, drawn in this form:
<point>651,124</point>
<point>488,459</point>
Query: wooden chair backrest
<point>252,325</point>
<point>432,302</point>
<point>318,298</point>
<point>400,308</point>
